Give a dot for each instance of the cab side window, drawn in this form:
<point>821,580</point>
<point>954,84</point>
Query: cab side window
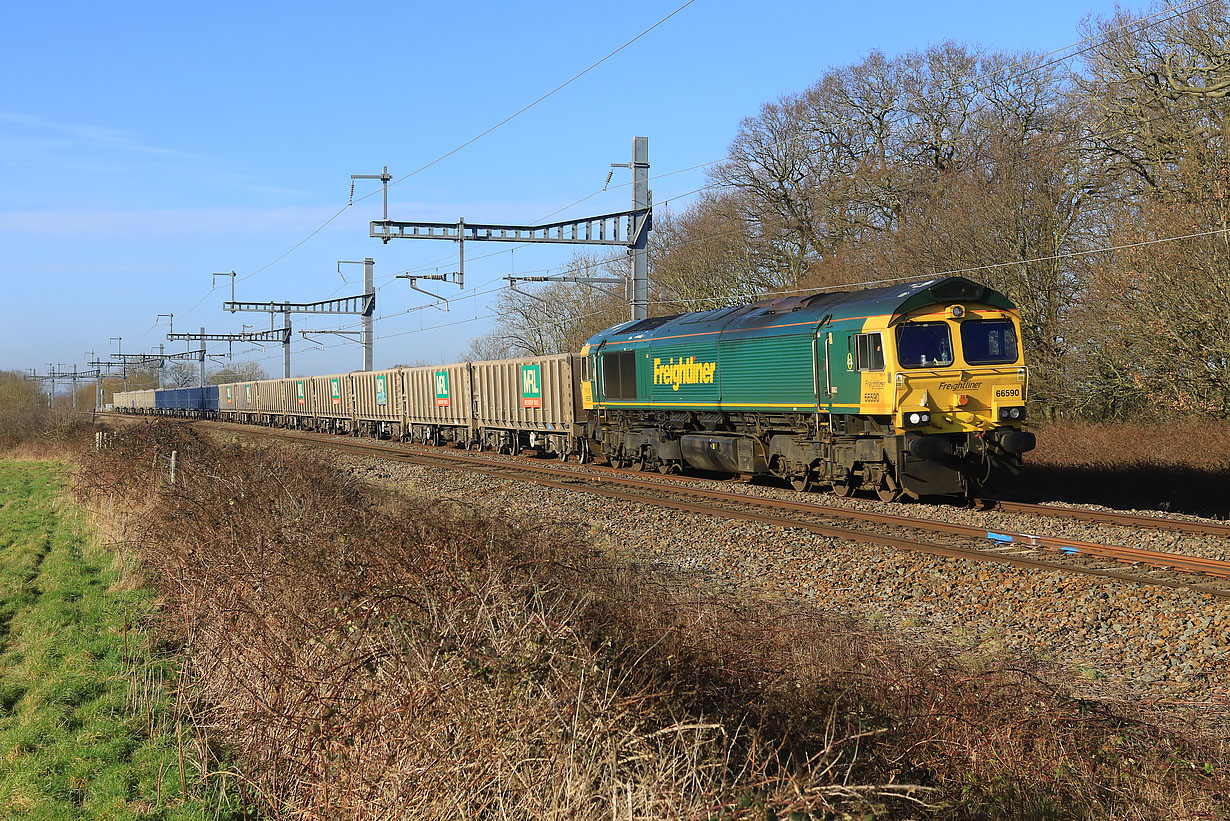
<point>868,350</point>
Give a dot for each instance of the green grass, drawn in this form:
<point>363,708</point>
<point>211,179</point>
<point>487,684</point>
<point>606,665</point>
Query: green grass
<point>86,727</point>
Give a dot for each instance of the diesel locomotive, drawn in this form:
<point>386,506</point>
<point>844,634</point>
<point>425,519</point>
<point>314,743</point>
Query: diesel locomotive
<point>916,389</point>
<point>910,390</point>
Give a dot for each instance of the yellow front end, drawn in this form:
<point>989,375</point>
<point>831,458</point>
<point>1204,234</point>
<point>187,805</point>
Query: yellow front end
<point>973,380</point>
<point>969,398</point>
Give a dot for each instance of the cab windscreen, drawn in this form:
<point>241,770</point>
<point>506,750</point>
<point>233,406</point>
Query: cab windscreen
<point>924,345</point>
<point>988,341</point>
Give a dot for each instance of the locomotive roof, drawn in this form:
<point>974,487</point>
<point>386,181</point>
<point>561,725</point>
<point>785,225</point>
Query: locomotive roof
<point>890,300</point>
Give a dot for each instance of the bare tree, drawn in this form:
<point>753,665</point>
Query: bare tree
<point>23,408</point>
<point>1156,93</point>
<point>488,346</point>
<point>142,378</point>
<point>559,316</point>
<point>706,257</point>
<point>181,374</point>
<point>1156,314</point>
<point>237,372</point>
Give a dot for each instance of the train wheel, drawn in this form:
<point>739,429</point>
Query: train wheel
<point>803,484</point>
<point>844,489</point>
<point>889,490</point>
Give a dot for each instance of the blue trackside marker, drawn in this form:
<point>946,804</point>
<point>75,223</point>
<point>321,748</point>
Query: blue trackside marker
<point>1068,550</point>
<point>1001,538</point>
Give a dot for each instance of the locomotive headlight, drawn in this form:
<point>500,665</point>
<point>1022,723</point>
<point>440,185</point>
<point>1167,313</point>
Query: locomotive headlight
<point>1014,414</point>
<point>918,418</point>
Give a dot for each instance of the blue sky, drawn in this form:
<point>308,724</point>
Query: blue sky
<point>144,146</point>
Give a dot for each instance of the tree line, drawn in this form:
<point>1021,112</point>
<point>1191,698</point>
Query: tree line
<point>1094,191</point>
<point>25,397</point>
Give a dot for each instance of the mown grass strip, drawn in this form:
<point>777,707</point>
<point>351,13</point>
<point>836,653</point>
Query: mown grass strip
<point>86,730</point>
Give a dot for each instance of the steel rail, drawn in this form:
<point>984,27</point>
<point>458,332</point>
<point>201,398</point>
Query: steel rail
<point>1109,517</point>
<point>1106,517</point>
<point>1153,558</point>
<point>653,495</point>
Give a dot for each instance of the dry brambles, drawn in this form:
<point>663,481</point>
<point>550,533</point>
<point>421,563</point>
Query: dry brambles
<point>367,656</point>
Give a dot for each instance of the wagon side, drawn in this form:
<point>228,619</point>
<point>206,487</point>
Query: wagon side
<point>379,402</point>
<point>440,404</point>
<point>530,402</point>
<point>330,403</point>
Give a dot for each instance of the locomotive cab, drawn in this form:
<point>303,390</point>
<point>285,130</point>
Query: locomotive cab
<point>958,396</point>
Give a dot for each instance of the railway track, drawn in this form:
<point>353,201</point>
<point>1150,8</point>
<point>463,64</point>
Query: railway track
<point>945,539</point>
<point>1109,517</point>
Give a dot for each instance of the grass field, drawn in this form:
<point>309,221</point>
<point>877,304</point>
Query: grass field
<point>86,729</point>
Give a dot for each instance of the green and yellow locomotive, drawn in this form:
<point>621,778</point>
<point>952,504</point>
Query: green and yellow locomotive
<point>916,389</point>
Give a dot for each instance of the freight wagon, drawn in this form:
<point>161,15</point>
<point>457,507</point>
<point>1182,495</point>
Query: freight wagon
<point>378,405</point>
<point>187,402</point>
<point>531,402</point>
<point>439,404</point>
<point>139,402</point>
<point>330,404</point>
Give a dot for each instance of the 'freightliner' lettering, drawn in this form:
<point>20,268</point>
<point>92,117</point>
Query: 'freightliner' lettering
<point>684,372</point>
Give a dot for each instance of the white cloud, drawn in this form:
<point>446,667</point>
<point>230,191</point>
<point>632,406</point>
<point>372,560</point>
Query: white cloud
<point>100,136</point>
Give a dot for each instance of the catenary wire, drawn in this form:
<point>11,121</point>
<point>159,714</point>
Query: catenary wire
<point>478,137</point>
<point>469,142</point>
<point>1171,12</point>
<point>1140,23</point>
